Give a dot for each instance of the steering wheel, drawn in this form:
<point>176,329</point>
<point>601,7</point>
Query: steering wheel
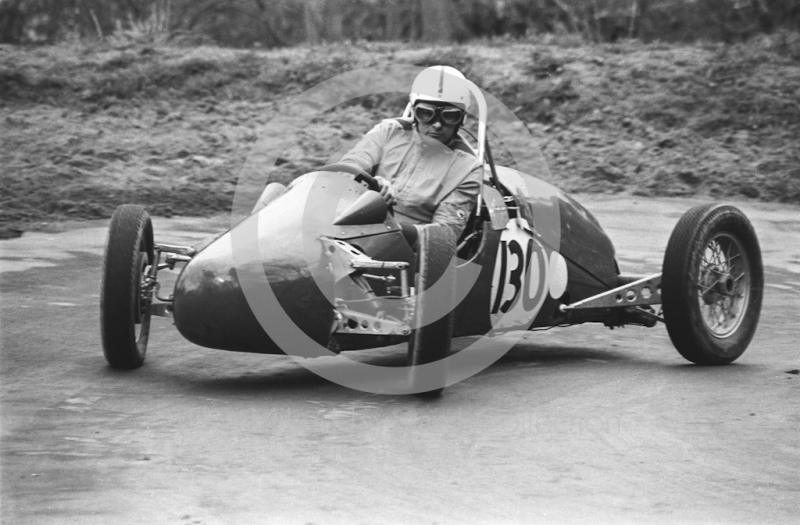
<point>360,175</point>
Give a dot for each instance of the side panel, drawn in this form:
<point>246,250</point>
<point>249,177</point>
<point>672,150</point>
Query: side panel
<point>579,257</point>
<point>585,243</point>
<point>581,285</point>
<point>564,225</point>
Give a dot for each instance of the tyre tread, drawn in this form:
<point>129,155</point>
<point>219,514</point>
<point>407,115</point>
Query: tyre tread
<point>130,230</point>
<point>681,312</point>
<point>432,341</point>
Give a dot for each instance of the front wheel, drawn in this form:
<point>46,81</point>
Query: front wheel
<point>434,310</point>
<point>712,284</point>
<point>125,293</point>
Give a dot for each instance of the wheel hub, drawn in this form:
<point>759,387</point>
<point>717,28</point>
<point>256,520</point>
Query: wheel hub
<point>722,285</point>
<point>725,285</point>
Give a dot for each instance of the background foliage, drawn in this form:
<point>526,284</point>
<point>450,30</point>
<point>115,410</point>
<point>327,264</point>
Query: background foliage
<point>278,23</point>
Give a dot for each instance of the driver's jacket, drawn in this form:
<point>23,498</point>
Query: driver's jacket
<point>432,183</point>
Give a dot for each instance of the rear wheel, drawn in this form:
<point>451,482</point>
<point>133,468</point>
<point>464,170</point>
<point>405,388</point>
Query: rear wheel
<point>712,284</point>
<point>125,295</point>
<point>430,343</point>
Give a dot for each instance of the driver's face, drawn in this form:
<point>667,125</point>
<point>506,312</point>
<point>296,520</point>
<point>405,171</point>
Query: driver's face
<point>437,129</point>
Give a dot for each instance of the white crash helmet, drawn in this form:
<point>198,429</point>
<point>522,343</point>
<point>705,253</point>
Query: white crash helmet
<point>441,84</point>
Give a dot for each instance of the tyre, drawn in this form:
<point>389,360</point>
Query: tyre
<point>430,343</point>
<point>124,294</point>
<point>712,284</point>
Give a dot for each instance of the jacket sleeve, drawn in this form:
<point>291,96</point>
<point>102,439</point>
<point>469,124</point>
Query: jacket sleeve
<point>454,210</point>
<point>369,150</point>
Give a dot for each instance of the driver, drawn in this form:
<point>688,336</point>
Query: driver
<point>424,168</point>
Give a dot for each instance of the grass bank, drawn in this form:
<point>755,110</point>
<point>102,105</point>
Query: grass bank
<point>85,129</point>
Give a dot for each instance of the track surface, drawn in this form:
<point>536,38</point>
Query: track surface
<point>577,425</point>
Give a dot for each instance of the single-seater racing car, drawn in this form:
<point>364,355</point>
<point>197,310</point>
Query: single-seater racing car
<point>341,272</point>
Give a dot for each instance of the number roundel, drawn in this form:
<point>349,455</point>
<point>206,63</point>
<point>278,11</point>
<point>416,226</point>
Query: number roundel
<point>519,283</point>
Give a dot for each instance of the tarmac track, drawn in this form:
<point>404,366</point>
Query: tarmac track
<point>574,425</point>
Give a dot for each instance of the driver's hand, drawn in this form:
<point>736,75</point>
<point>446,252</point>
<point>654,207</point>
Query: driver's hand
<point>386,190</point>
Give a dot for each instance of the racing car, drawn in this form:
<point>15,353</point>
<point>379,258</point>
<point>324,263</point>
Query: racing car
<point>340,272</point>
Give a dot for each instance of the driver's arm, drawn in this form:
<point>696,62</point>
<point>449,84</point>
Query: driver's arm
<point>454,210</point>
<point>367,155</point>
<point>368,152</point>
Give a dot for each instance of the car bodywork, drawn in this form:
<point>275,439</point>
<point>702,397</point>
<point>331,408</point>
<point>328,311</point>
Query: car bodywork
<point>340,269</point>
<point>518,266</point>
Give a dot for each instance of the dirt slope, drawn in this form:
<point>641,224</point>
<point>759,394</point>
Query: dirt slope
<point>85,129</point>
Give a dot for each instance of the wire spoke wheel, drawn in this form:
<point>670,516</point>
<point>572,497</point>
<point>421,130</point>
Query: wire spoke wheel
<point>723,285</point>
<point>712,284</point>
<point>144,298</point>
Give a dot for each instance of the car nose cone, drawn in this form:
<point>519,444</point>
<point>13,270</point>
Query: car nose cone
<point>209,307</point>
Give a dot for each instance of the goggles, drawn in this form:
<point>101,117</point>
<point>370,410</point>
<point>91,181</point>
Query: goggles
<point>427,113</point>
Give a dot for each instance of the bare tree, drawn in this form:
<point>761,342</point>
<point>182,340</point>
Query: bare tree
<point>335,11</point>
<point>12,21</point>
<point>438,18</point>
<point>312,20</point>
<point>394,20</point>
<point>324,20</point>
